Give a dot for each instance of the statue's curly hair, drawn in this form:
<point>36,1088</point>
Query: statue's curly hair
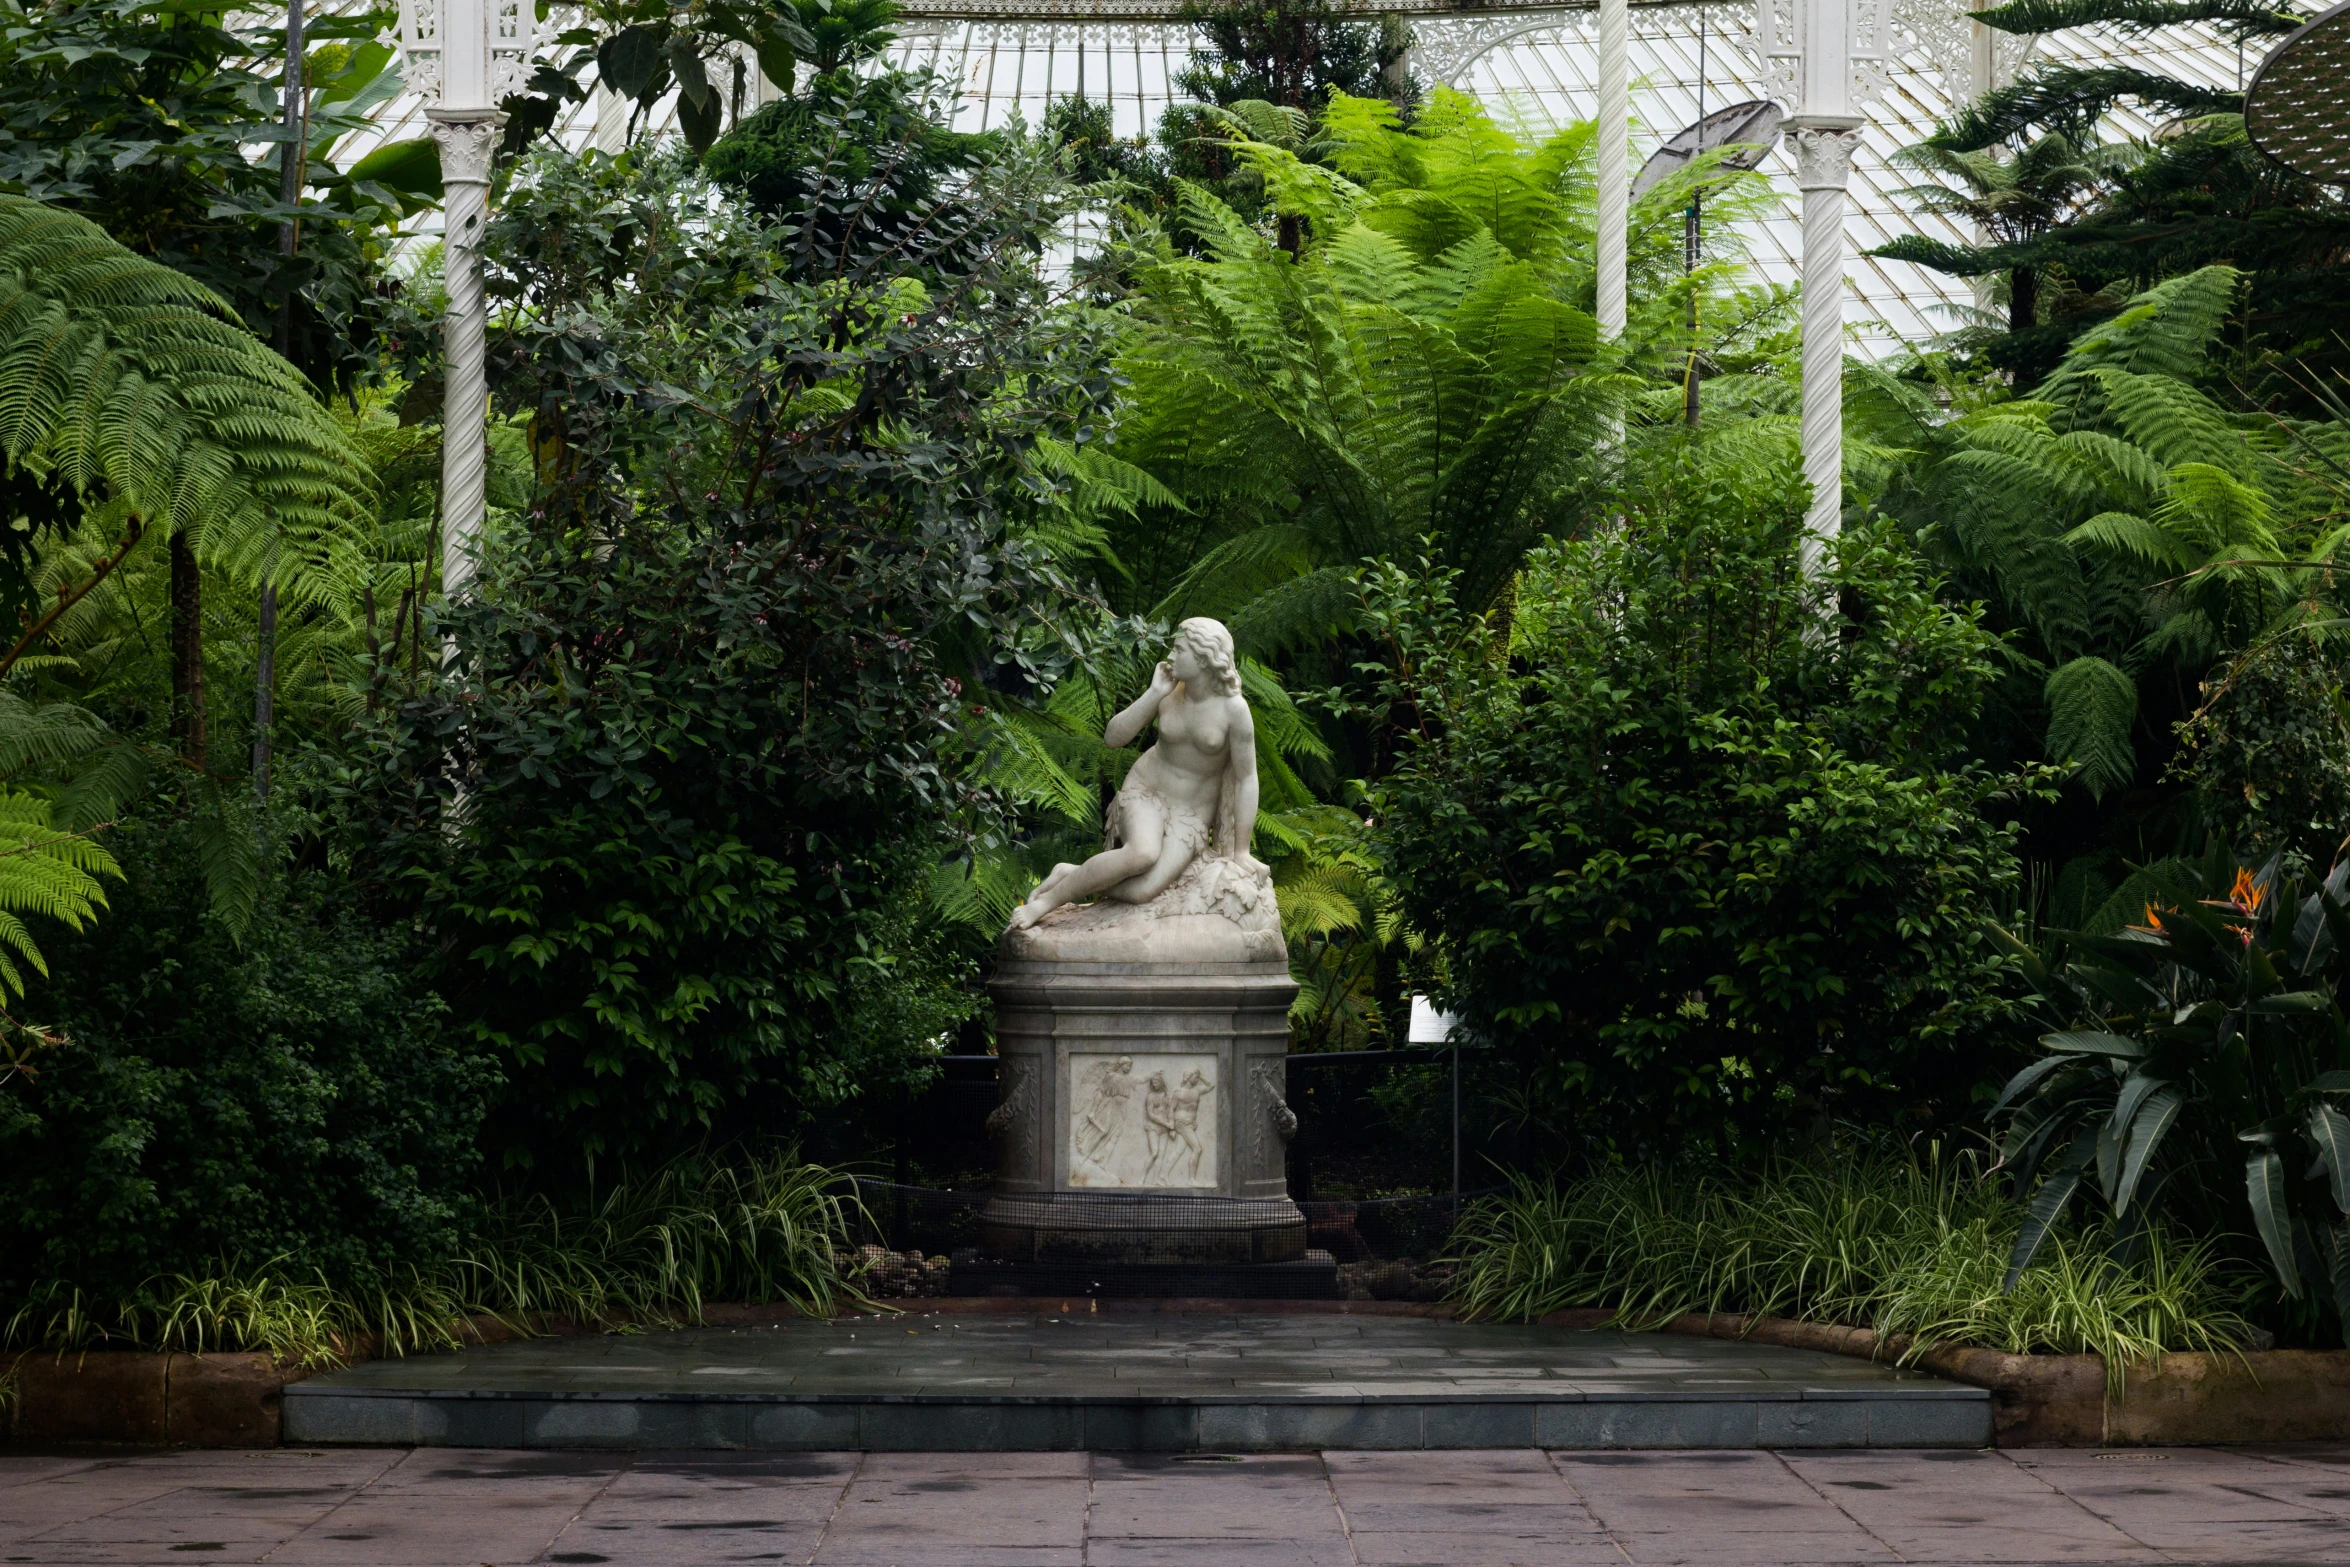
<point>1211,644</point>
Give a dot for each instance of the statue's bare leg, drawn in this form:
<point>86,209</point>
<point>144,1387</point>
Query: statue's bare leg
<point>1145,832</point>
<point>1172,860</point>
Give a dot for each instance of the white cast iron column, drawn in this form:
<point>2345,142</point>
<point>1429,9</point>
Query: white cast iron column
<point>1615,164</point>
<point>1823,167</point>
<point>467,138</point>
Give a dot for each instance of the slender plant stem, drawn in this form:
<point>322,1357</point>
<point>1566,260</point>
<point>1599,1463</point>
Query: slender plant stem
<point>67,600</point>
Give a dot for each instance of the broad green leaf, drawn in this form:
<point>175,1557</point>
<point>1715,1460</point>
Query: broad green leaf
<point>2024,1080</point>
<point>2338,1266</point>
<point>2048,1204</point>
<point>2264,1186</point>
<point>2094,1042</point>
<point>693,81</point>
<point>2297,1003</point>
<point>2329,1128</point>
<point>630,59</point>
<point>2154,1119</point>
<point>2134,1093</point>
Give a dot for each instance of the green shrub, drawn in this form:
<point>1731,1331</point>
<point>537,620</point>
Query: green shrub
<point>1900,1245</point>
<point>853,153</point>
<point>1699,840</point>
<point>719,702</point>
<point>296,1097</point>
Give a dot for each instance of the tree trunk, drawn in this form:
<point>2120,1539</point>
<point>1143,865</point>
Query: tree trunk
<point>1292,233</point>
<point>2023,299</point>
<point>187,652</point>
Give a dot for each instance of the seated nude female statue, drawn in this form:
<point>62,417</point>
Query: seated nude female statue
<point>1191,795</point>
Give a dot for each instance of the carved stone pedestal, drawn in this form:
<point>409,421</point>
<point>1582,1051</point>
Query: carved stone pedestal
<point>1142,1118</point>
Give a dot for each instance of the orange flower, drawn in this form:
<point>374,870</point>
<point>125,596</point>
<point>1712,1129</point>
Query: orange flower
<point>2247,893</point>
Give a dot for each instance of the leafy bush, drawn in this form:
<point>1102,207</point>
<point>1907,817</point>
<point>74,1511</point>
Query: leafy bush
<point>1884,1241</point>
<point>1705,856</point>
<point>2269,752</point>
<point>668,815</point>
<point>295,1098</point>
<point>2201,1067</point>
<point>854,152</point>
<point>680,895</point>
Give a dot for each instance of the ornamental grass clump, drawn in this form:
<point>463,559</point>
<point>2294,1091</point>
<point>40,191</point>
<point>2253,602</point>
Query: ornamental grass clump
<point>1915,1247</point>
<point>651,1249</point>
<point>659,1247</point>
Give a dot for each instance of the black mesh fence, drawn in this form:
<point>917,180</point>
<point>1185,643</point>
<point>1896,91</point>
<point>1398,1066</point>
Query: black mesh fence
<point>1390,1145</point>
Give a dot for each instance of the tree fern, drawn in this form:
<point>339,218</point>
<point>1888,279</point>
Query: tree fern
<point>2168,330</point>
<point>122,378</point>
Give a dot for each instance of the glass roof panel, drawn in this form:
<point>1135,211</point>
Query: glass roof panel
<point>1537,71</point>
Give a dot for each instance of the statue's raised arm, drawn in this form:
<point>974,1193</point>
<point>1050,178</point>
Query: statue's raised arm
<point>1191,797</point>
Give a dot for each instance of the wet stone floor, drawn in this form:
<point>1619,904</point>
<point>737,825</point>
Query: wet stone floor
<point>1083,1355</point>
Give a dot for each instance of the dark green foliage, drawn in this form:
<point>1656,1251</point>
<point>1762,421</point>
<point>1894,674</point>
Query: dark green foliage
<point>2244,18</point>
<point>1290,54</point>
<point>705,54</point>
<point>140,116</point>
<point>1906,1241</point>
<point>2127,529</point>
<point>854,153</point>
<point>1084,129</point>
<point>2269,753</point>
<point>2199,1066</point>
<point>705,787</point>
<point>2131,213</point>
<point>1293,53</point>
<point>294,1097</point>
<point>1708,860</point>
<point>667,817</point>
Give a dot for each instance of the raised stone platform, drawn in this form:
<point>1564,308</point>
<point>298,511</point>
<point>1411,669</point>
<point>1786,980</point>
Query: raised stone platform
<point>1162,1382</point>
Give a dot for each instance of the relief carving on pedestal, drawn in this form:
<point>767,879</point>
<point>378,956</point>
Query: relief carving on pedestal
<point>1143,1121</point>
<point>1013,1122</point>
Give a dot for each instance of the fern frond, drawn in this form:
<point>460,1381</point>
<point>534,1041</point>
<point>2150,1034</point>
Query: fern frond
<point>126,379</point>
<point>2091,708</point>
<point>43,872</point>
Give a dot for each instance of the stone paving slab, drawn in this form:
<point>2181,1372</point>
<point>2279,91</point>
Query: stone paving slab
<point>909,1383</point>
<point>443,1507</point>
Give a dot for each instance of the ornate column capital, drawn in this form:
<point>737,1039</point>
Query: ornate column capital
<point>468,139</point>
<point>1824,145</point>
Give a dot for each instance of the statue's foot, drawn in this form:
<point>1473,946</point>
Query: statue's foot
<point>1026,915</point>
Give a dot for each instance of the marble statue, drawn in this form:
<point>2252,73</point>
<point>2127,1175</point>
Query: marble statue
<point>1174,880</point>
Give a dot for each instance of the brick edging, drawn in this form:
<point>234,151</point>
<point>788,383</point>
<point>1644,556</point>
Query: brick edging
<point>2185,1398</point>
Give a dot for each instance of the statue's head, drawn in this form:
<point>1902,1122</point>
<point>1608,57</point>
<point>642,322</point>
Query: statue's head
<point>1159,1081</point>
<point>1202,657</point>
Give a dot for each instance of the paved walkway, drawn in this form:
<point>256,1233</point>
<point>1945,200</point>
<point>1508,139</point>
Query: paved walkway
<point>470,1507</point>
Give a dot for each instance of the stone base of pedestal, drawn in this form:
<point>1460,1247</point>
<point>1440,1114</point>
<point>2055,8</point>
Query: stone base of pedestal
<point>1314,1276</point>
<point>1138,1230</point>
<point>1131,1080</point>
